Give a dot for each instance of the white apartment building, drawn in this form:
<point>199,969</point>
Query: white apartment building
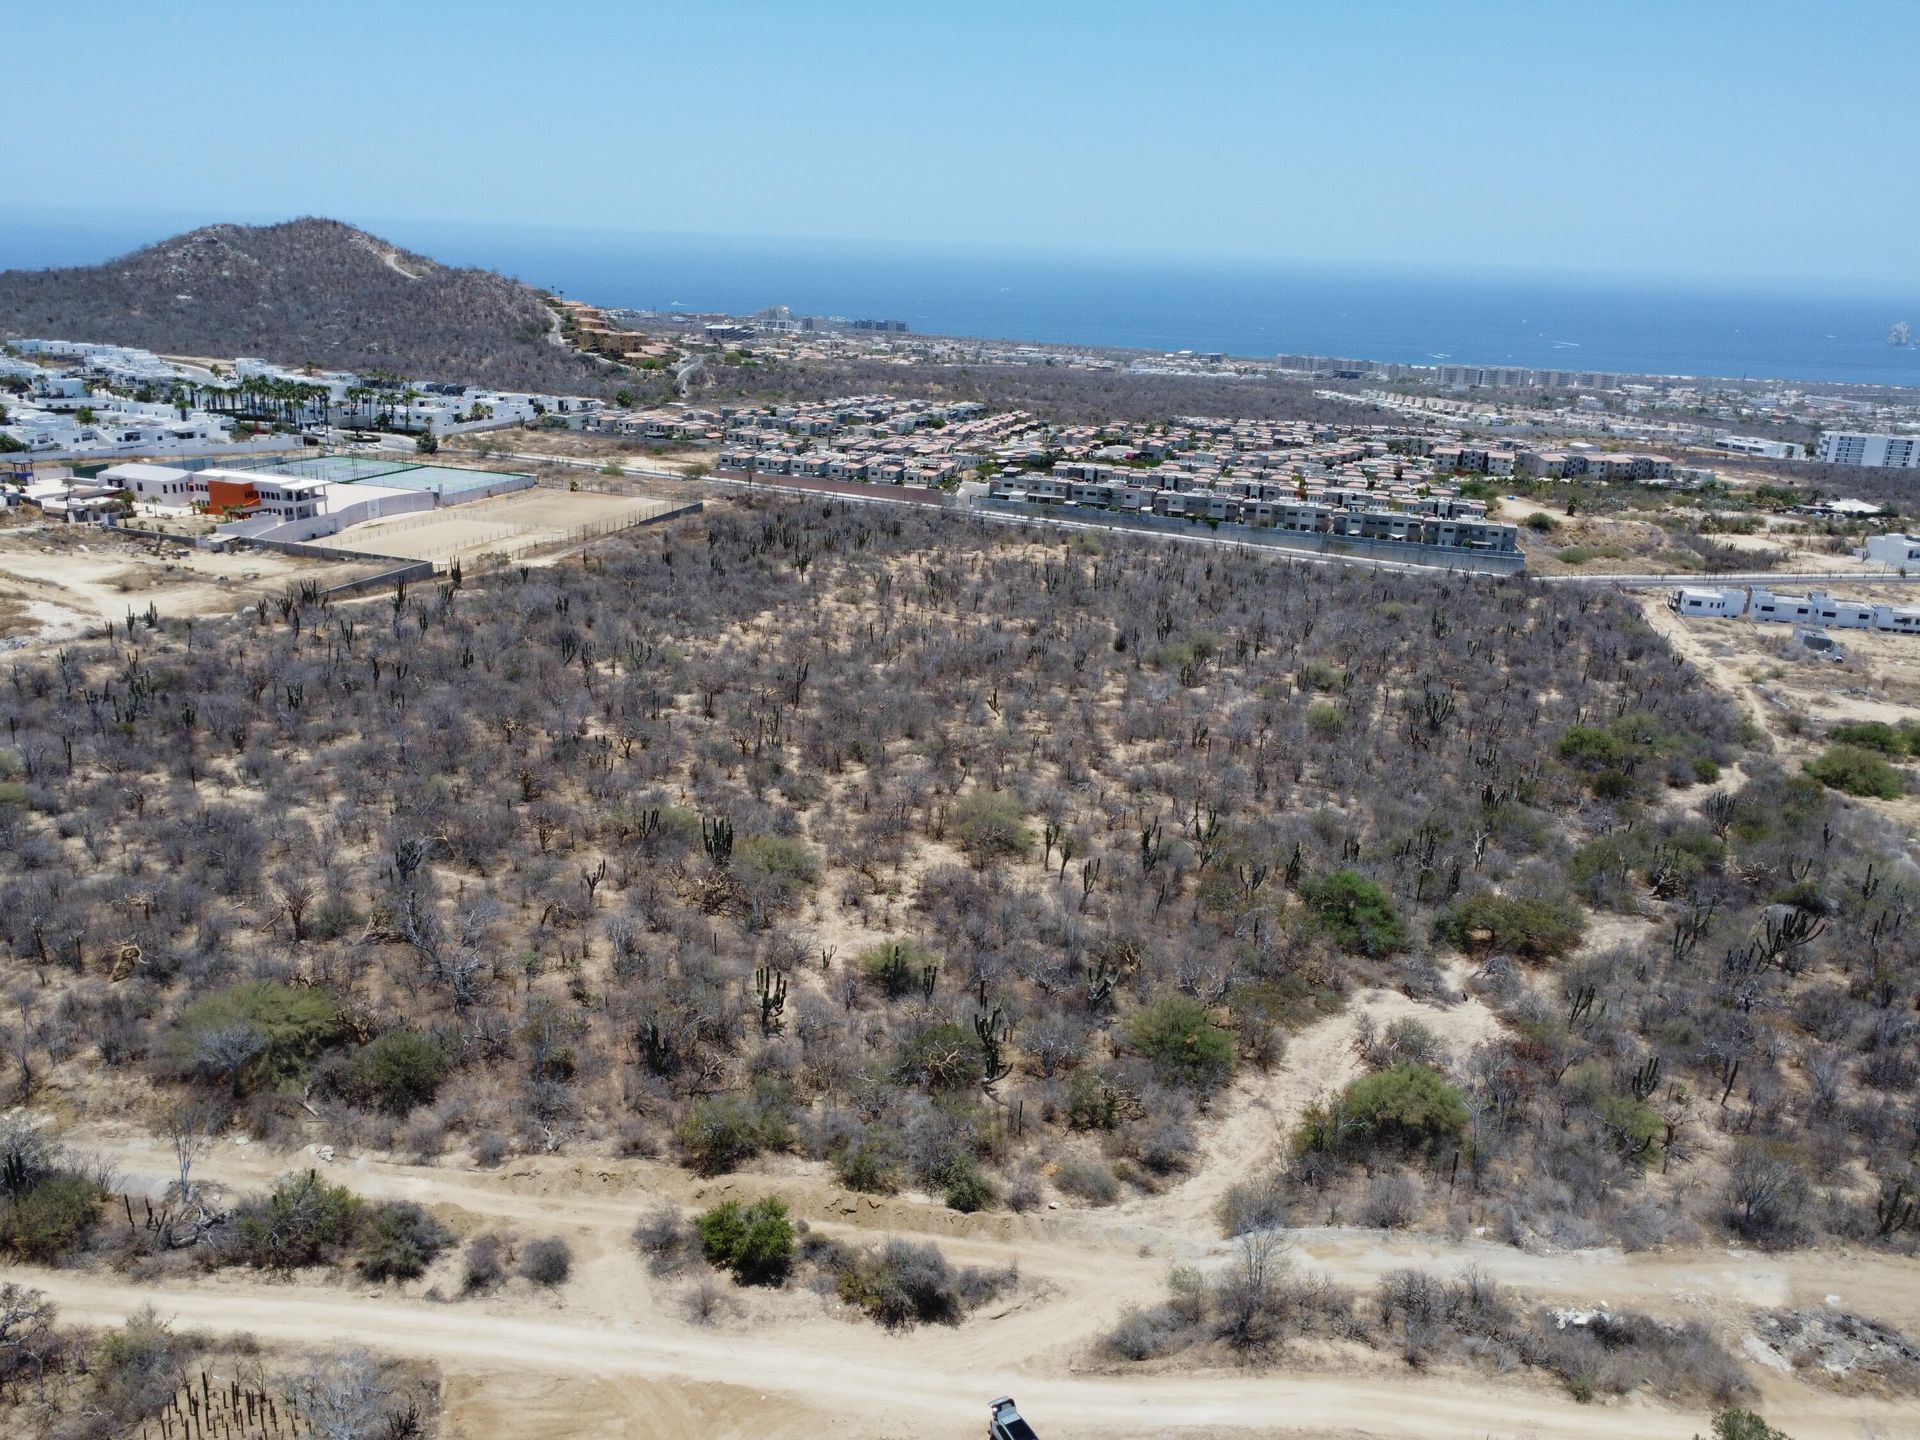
<point>1878,452</point>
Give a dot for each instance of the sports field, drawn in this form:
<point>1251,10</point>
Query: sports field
<point>506,524</point>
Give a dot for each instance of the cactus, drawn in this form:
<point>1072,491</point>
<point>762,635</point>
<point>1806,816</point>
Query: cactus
<point>1582,1005</point>
<point>994,1032</point>
<point>1646,1079</point>
<point>716,836</point>
<point>892,973</point>
<point>1896,1208</point>
<point>773,998</point>
<point>1099,984</point>
<point>1151,850</point>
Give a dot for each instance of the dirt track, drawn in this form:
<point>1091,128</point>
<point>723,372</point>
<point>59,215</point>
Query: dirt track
<point>853,1378</point>
<point>612,1356</point>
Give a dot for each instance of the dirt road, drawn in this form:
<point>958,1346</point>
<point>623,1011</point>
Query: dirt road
<point>865,1383</point>
<point>612,1355</point>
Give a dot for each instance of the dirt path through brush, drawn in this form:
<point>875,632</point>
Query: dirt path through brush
<point>865,1383</point>
<point>613,1348</point>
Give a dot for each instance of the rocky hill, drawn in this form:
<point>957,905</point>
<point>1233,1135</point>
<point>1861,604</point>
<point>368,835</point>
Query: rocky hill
<point>307,290</point>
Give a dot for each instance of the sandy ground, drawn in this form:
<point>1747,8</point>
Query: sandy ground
<point>1643,543</point>
<point>1261,1108</point>
<point>1757,666</point>
<point>505,524</point>
<point>66,580</point>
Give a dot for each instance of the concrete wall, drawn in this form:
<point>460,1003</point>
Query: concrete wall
<point>505,485</point>
<point>407,572</point>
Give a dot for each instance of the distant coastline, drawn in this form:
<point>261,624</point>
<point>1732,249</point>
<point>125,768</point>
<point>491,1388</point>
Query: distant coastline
<point>1612,327</point>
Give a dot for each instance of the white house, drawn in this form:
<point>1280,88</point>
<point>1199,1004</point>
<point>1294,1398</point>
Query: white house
<point>1903,619</point>
<point>1816,607</point>
<point>1893,549</point>
<point>1719,604</point>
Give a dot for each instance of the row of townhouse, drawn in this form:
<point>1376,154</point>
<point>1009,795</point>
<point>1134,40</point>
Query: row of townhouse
<point>1472,460</point>
<point>1816,607</point>
<point>681,423</point>
<point>1595,464</point>
<point>1287,513</point>
<point>837,465</point>
<point>880,415</point>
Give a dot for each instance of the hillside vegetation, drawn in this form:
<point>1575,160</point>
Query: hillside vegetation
<point>958,860</point>
<point>307,290</point>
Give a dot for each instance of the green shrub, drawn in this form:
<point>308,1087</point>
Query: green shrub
<point>1541,523</point>
<point>1854,771</point>
<point>1734,1424</point>
<point>397,1071</point>
<point>1776,805</point>
<point>287,1025</point>
<point>789,864</point>
<point>1177,1036</point>
<point>1636,1127</point>
<point>1612,755</point>
<point>1091,1104</point>
<point>50,1219</point>
<point>1322,675</point>
<point>754,1242</point>
<point>989,826</point>
<point>1088,1177</point>
<point>1873,735</point>
<point>1407,1108</point>
<point>302,1221</point>
<point>939,1057</point>
<point>399,1240</point>
<point>1355,913</point>
<point>135,1371</point>
<point>716,1134</point>
<point>547,1261</point>
<point>904,1283</point>
<point>896,967</point>
<point>867,1164</point>
<point>967,1190</point>
<point>1531,927</point>
<point>1574,555</point>
<point>1326,719</point>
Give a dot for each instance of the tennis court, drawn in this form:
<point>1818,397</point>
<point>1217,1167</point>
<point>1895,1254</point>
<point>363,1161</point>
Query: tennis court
<point>341,469</point>
<point>447,481</point>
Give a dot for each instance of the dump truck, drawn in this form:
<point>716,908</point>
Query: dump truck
<point>1005,1423</point>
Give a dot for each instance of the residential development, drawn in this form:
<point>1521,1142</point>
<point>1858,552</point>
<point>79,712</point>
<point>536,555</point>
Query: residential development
<point>68,399</point>
<point>1815,608</point>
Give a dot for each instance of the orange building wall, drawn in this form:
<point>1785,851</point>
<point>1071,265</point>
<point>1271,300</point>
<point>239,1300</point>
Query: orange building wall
<point>231,495</point>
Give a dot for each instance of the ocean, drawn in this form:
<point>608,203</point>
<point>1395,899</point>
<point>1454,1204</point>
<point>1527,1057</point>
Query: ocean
<point>1837,334</point>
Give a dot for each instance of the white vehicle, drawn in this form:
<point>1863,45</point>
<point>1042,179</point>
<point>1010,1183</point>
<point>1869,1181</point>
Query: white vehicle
<point>1005,1422</point>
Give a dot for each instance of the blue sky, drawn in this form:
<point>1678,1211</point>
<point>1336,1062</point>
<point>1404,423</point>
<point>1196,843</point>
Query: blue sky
<point>1733,141</point>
